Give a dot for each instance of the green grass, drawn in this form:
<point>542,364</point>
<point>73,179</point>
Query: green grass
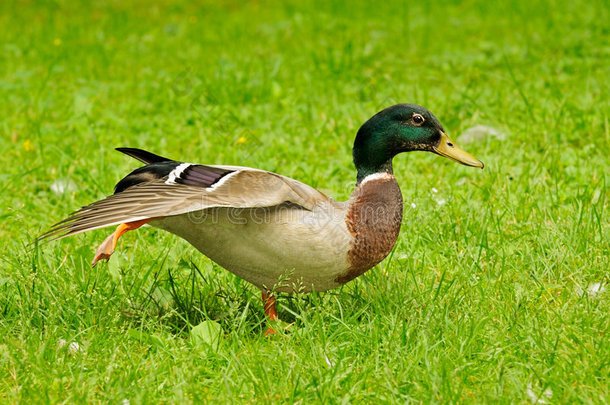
<point>485,298</point>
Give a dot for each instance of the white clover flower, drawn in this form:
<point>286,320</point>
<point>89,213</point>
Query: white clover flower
<point>73,347</point>
<point>61,186</point>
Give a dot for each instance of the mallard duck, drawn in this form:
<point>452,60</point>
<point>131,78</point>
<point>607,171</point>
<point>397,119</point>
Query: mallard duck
<point>275,232</point>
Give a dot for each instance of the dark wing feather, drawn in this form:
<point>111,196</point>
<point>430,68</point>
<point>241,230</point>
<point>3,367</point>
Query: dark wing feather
<point>201,175</point>
<point>142,155</point>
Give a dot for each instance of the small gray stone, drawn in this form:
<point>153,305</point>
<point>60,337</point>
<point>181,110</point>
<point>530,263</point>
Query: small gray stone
<point>480,132</point>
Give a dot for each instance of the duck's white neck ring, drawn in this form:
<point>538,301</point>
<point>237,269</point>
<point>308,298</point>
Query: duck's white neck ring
<point>376,176</point>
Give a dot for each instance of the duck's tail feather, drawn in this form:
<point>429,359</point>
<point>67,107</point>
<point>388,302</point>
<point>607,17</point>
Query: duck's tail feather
<point>143,156</point>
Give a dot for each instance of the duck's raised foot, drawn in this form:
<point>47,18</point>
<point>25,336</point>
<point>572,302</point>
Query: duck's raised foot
<point>106,249</point>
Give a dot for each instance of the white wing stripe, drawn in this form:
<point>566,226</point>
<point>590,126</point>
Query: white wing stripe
<point>222,180</point>
<point>174,174</point>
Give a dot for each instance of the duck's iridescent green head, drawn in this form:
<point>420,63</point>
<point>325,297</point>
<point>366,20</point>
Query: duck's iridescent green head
<point>402,128</point>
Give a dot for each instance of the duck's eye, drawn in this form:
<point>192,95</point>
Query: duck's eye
<point>417,119</point>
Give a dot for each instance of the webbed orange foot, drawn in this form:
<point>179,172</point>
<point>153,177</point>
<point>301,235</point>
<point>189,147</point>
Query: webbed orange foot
<point>105,250</point>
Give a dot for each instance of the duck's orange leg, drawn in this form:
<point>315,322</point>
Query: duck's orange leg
<point>269,305</point>
<point>105,250</point>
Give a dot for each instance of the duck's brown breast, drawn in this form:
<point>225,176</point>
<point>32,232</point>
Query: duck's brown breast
<point>373,217</point>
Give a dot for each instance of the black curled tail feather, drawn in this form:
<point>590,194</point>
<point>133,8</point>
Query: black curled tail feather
<point>143,156</point>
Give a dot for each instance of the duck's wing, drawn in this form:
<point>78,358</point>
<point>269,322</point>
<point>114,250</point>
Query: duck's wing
<point>164,188</point>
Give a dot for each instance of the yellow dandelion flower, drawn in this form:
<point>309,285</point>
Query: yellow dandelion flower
<point>57,41</point>
<point>28,145</point>
<point>241,140</point>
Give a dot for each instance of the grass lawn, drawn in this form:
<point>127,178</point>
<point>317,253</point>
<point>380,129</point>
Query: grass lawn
<point>497,289</point>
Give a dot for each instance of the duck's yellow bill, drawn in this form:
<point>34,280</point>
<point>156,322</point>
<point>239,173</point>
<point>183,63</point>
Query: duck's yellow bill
<point>447,148</point>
